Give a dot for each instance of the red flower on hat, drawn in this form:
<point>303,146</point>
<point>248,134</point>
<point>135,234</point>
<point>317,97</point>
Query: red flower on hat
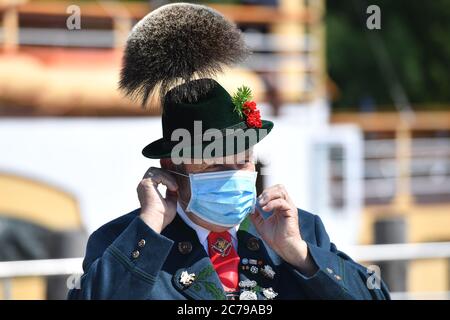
<point>254,120</point>
<point>250,105</point>
<point>253,115</point>
<point>246,108</point>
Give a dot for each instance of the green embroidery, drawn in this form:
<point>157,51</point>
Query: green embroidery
<point>210,287</point>
<point>205,273</point>
<point>196,287</point>
<point>214,291</point>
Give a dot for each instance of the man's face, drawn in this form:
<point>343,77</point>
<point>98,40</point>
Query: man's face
<point>242,161</point>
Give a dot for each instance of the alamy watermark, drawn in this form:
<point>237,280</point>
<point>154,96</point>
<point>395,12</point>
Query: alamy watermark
<point>374,280</point>
<point>213,146</point>
<point>73,21</point>
<point>73,281</point>
<point>374,20</point>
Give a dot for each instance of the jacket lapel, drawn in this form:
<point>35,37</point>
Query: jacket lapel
<point>256,261</point>
<point>189,257</point>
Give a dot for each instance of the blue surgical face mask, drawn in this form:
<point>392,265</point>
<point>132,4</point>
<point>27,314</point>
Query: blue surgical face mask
<point>223,198</point>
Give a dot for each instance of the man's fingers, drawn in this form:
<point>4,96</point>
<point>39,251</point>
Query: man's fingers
<point>279,204</point>
<point>157,176</point>
<point>171,196</point>
<point>149,173</point>
<point>274,192</point>
<point>256,218</point>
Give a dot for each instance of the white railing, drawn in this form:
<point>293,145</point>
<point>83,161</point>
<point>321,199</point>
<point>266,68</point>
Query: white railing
<point>42,267</point>
<point>364,253</point>
<point>400,251</point>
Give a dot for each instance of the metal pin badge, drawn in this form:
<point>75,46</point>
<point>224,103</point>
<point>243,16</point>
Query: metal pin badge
<point>253,244</point>
<point>222,247</point>
<point>268,272</point>
<point>186,278</point>
<point>269,293</point>
<point>247,283</point>
<point>184,247</point>
<point>248,295</point>
<point>254,269</point>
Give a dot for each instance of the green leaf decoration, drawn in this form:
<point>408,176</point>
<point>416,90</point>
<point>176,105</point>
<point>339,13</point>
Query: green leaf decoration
<point>210,287</point>
<point>197,287</point>
<point>242,95</point>
<point>205,273</point>
<point>214,291</point>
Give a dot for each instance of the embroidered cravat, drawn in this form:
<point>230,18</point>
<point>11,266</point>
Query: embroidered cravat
<point>225,259</point>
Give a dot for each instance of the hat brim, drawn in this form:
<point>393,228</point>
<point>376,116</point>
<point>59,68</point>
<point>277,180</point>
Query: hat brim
<point>162,148</point>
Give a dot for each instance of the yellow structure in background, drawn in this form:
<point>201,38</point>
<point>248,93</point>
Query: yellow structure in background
<point>41,204</point>
<point>38,203</point>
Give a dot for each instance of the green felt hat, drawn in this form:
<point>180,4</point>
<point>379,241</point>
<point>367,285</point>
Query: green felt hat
<point>215,109</point>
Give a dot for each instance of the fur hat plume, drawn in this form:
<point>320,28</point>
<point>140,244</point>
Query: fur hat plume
<point>175,44</point>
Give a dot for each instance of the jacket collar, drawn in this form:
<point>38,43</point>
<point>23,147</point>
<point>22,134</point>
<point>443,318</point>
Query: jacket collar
<point>188,255</point>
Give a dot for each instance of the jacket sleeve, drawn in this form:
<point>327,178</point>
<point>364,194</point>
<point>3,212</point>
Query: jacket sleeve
<point>337,276</point>
<point>127,269</point>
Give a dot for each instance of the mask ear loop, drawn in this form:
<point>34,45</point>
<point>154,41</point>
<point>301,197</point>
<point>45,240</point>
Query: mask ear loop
<point>181,174</point>
<point>186,176</point>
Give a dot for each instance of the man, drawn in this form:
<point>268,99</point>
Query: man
<point>210,236</point>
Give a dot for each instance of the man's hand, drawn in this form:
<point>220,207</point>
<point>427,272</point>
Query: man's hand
<point>281,230</point>
<point>156,211</point>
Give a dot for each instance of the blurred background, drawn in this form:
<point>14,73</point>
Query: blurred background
<point>360,97</point>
